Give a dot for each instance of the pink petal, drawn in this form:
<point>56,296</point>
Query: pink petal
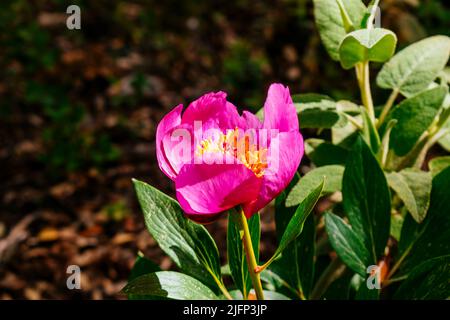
<point>213,106</point>
<point>281,170</point>
<point>170,120</point>
<point>251,121</point>
<point>279,110</point>
<point>178,147</point>
<point>213,188</point>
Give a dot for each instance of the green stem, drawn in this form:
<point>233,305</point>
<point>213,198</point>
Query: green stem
<point>362,73</point>
<point>387,107</point>
<point>250,254</point>
<point>388,282</point>
<point>398,263</point>
<point>222,288</point>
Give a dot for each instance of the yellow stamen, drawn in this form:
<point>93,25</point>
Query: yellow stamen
<point>241,148</point>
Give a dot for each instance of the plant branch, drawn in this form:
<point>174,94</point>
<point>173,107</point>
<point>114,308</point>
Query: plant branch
<point>362,74</point>
<point>250,254</point>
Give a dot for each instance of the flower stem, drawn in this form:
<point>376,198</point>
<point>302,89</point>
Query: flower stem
<point>250,254</point>
<point>362,74</point>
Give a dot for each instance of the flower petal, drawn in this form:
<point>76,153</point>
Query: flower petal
<point>251,121</point>
<point>282,166</point>
<point>170,120</point>
<point>213,106</point>
<point>279,110</point>
<point>213,188</point>
<point>177,145</point>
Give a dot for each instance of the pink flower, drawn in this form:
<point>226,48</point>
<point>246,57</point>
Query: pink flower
<point>219,159</point>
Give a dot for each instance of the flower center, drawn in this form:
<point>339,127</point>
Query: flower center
<point>241,147</point>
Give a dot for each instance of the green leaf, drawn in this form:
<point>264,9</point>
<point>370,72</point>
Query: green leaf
<point>293,272</point>
<point>413,187</point>
<point>169,284</point>
<point>312,98</point>
<point>364,293</point>
<point>339,289</point>
<point>346,136</point>
<point>347,244</point>
<point>333,183</point>
<point>376,45</point>
<point>396,225</point>
<point>445,140</point>
<point>236,254</point>
<point>366,199</point>
<point>295,225</point>
<point>427,281</point>
<point>188,244</point>
<point>414,116</point>
<point>438,164</point>
<point>295,266</point>
<point>272,295</point>
<point>415,67</point>
<point>268,295</point>
<point>431,238</point>
<point>319,118</point>
<point>330,24</point>
<point>317,111</point>
<point>142,266</point>
<point>323,153</point>
<point>348,107</point>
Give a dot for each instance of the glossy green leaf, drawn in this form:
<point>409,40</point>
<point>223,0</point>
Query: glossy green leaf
<point>427,281</point>
<point>268,295</point>
<point>347,244</point>
<point>330,24</point>
<point>413,187</point>
<point>309,181</point>
<point>293,272</point>
<point>339,289</point>
<point>317,111</point>
<point>376,45</point>
<point>295,226</point>
<point>188,244</point>
<point>296,263</point>
<point>414,116</point>
<point>431,238</point>
<point>171,285</point>
<point>319,118</point>
<point>415,67</point>
<point>438,164</point>
<point>364,293</point>
<point>366,199</point>
<point>313,99</point>
<point>324,153</point>
<point>236,254</point>
<point>142,266</point>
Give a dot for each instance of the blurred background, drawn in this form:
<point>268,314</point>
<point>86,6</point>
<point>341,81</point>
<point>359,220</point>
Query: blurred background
<point>79,109</point>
